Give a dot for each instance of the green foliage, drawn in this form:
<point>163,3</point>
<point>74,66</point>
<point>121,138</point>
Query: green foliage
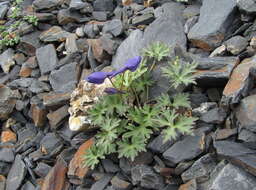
<point>31,19</point>
<point>179,74</point>
<point>127,121</point>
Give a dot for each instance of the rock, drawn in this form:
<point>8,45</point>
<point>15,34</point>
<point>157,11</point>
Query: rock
<point>204,108</point>
<point>108,44</point>
<point>16,175</point>
<point>102,183</point>
<point>38,113</point>
<point>246,136</point>
<point>238,154</point>
<point>253,42</point>
<point>197,99</point>
<point>158,146</point>
<point>222,134</point>
<point>7,102</point>
<point>54,34</point>
<point>64,80</point>
<point>76,167</point>
<point>56,178</point>
<point>109,166</point>
<point>212,26</point>
<point>47,58</point>
<point>119,183</point>
<point>247,6</point>
<point>236,44</point>
<point>70,44</point>
<point>46,4</point>
<point>214,94</point>
<point>191,185</point>
<point>200,170</point>
<point>57,117</point>
<point>39,87</point>
<point>53,99</point>
<point>219,51</point>
<point>214,116</point>
<point>186,149</point>
<point>51,144</point>
<point>3,10</point>
<point>215,71</point>
<point>2,182</point>
<point>91,30</point>
<point>8,136</point>
<point>42,169</point>
<point>103,5</point>
<point>76,5</point>
<point>6,60</point>
<point>190,23</point>
<point>28,186</point>
<point>114,27</point>
<point>100,15</point>
<point>239,83</point>
<point>6,155</point>
<point>97,49</point>
<point>145,177</point>
<point>143,19</point>
<point>65,16</point>
<point>191,11</point>
<point>245,113</point>
<point>232,177</point>
<point>5,168</point>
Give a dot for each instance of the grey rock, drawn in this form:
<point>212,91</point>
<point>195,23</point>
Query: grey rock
<point>213,94</point>
<point>190,23</point>
<point>245,113</point>
<point>238,154</point>
<point>65,16</point>
<point>39,87</point>
<point>16,175</point>
<point>143,19</point>
<point>70,45</point>
<point>185,150</point>
<point>65,79</point>
<point>197,99</point>
<point>91,30</point>
<point>103,5</point>
<point>100,15</point>
<point>28,186</point>
<point>171,187</point>
<point>42,169</point>
<point>232,177</point>
<point>158,146</point>
<point>7,60</point>
<point>22,82</point>
<point>210,30</point>
<point>204,108</point>
<point>76,5</point>
<point>200,170</point>
<point>46,4</point>
<point>6,155</point>
<point>108,44</point>
<point>54,34</point>
<point>145,177</point>
<point>47,58</point>
<point>214,71</point>
<point>5,168</point>
<point>120,184</point>
<point>51,144</point>
<point>191,11</point>
<point>236,44</point>
<point>88,8</point>
<point>109,166</point>
<point>214,116</point>
<point>247,6</point>
<point>246,136</point>
<point>114,27</point>
<point>7,103</point>
<point>3,9</point>
<point>102,183</point>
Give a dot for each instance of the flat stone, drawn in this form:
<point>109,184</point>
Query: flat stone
<point>200,170</point>
<point>190,185</point>
<point>7,155</point>
<point>42,169</point>
<point>191,11</point>
<point>76,167</point>
<point>103,5</point>
<point>158,146</point>
<point>54,34</point>
<point>232,177</point>
<point>64,80</point>
<point>47,58</point>
<point>44,17</point>
<point>120,184</point>
<point>245,113</point>
<point>186,149</point>
<point>16,175</point>
<point>210,30</point>
<point>8,136</point>
<point>91,30</point>
<point>57,117</point>
<point>145,177</point>
<point>39,87</point>
<point>110,166</point>
<point>5,168</point>
<point>28,186</point>
<point>214,116</point>
<point>204,108</point>
<point>2,182</point>
<point>222,134</point>
<point>246,136</point>
<point>76,5</point>
<point>102,183</point>
<point>7,60</point>
<point>70,45</point>
<point>114,27</point>
<point>38,113</point>
<point>108,44</point>
<point>190,23</point>
<point>65,16</point>
<point>247,6</point>
<point>3,9</point>
<point>100,15</point>
<point>7,103</point>
<point>46,4</point>
<point>97,49</point>
<point>236,44</point>
<point>221,50</point>
<point>51,144</point>
<point>238,154</point>
<point>143,19</point>
<point>53,99</point>
<point>56,178</point>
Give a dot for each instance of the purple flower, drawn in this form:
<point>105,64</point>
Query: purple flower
<point>98,77</point>
<point>113,91</point>
<point>131,64</point>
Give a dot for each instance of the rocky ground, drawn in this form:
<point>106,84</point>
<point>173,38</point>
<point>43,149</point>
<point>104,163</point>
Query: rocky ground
<point>38,149</point>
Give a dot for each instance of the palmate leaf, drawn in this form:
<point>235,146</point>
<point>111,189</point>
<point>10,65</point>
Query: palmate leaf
<point>130,148</point>
<point>92,156</point>
<point>142,131</point>
<point>181,100</point>
<point>163,101</point>
<point>179,74</point>
<point>97,113</point>
<point>157,50</point>
<point>114,103</point>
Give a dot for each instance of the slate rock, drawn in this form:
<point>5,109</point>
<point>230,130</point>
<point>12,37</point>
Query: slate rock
<point>76,5</point>
<point>103,5</point>
<point>190,185</point>
<point>6,155</point>
<point>7,60</point>
<point>51,144</point>
<point>204,108</point>
<point>28,186</point>
<point>214,71</point>
<point>245,113</point>
<point>239,83</point>
<point>232,177</point>
<point>238,154</point>
<point>39,87</point>
<point>212,25</point>
<point>47,58</point>
<point>236,44</point>
<point>54,34</point>
<point>65,16</point>
<point>197,99</point>
<point>200,170</point>
<point>143,19</point>
<point>190,23</point>
<point>64,80</point>
<point>3,9</point>
<point>91,30</point>
<point>16,175</point>
<point>114,27</point>
<point>214,116</point>
<point>45,4</point>
<point>146,177</point>
<point>120,184</point>
<point>246,136</point>
<point>55,100</point>
<point>42,169</point>
<point>7,102</point>
<point>158,146</point>
<point>185,150</point>
<point>57,117</point>
<point>102,183</point>
<point>100,15</point>
<point>109,166</point>
<point>191,11</point>
<point>5,168</point>
<point>247,6</point>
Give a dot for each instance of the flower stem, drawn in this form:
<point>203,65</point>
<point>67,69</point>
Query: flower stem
<point>122,84</point>
<point>112,82</point>
<point>136,96</point>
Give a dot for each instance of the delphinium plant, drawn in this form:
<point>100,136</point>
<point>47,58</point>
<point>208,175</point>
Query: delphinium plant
<point>127,118</point>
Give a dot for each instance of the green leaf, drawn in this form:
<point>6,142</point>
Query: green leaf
<point>163,101</point>
<point>181,100</point>
<point>115,103</point>
<point>92,156</point>
<point>142,131</point>
<point>97,113</point>
<point>157,50</point>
